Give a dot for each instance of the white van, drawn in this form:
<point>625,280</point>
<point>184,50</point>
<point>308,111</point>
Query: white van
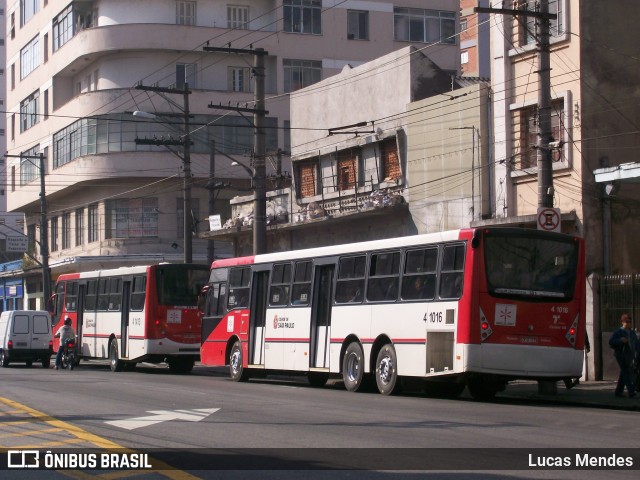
<point>25,336</point>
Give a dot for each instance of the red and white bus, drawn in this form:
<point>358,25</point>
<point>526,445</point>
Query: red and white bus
<point>134,314</point>
<point>473,307</point>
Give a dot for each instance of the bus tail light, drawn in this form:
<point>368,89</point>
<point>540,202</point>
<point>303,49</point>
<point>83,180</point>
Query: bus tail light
<point>485,327</point>
<point>572,332</point>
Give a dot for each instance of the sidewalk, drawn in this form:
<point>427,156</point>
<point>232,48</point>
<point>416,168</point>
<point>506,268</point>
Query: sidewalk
<point>585,394</point>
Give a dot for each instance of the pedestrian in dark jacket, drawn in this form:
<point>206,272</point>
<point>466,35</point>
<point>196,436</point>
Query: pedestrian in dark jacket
<point>626,350</point>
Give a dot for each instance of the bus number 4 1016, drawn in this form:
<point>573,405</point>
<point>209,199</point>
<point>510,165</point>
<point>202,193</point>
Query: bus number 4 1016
<point>433,317</point>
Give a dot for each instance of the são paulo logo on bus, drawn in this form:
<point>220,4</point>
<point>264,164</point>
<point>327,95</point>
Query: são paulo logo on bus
<point>282,322</point>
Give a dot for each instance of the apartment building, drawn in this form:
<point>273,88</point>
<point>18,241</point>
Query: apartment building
<point>115,197</point>
<point>595,115</point>
<point>475,48</point>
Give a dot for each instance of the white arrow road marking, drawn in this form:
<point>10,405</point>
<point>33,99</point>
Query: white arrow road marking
<point>163,416</point>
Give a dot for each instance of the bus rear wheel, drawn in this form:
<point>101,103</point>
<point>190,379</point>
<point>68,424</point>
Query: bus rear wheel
<point>236,371</point>
<point>353,368</point>
<point>114,362</point>
<point>387,370</point>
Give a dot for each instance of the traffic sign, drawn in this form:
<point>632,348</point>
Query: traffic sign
<point>549,219</point>
<point>17,244</point>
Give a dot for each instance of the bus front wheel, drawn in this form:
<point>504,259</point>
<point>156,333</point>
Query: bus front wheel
<point>114,362</point>
<point>353,368</point>
<point>387,370</point>
<point>237,372</point>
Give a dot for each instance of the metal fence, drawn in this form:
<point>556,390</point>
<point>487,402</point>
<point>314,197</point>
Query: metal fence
<point>619,294</point>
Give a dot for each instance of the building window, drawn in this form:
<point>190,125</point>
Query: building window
<point>186,73</point>
<point>527,34</point>
<point>390,160</point>
<point>29,57</point>
<point>463,24</point>
<point>66,230</point>
<point>424,26</point>
<point>54,234</point>
<point>79,227</point>
<point>300,73</point>
<point>46,104</point>
<point>464,57</point>
<point>28,8</point>
<point>347,172</point>
<point>131,218</point>
<point>29,111</point>
<point>29,167</point>
<point>239,79</point>
<point>307,181</point>
<point>12,25</point>
<point>302,16</point>
<point>195,214</point>
<point>186,13</point>
<point>94,224</point>
<point>62,28</point>
<point>526,121</point>
<point>357,25</point>
<point>237,17</point>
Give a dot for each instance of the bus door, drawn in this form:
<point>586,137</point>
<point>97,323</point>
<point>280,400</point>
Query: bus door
<point>124,319</point>
<point>321,316</point>
<point>82,288</point>
<point>257,316</point>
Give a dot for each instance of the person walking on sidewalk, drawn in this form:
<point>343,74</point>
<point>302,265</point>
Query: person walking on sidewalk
<point>626,349</point>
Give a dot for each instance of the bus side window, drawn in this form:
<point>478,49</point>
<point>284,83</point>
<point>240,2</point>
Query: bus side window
<point>451,271</point>
<point>115,294</point>
<point>350,284</point>
<point>280,284</point>
<point>103,295</point>
<point>419,277</point>
<point>71,297</point>
<point>384,274</point>
<point>91,296</point>
<point>239,284</point>
<point>300,293</point>
<point>138,290</point>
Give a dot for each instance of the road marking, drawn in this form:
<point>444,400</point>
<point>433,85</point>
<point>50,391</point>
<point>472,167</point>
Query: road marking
<point>161,468</point>
<point>159,416</point>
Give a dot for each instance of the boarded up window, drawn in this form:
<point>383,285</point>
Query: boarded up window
<point>347,169</point>
<point>390,160</point>
<point>307,176</point>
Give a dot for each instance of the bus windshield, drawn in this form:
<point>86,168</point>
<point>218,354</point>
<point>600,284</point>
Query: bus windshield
<point>530,266</point>
<point>181,284</point>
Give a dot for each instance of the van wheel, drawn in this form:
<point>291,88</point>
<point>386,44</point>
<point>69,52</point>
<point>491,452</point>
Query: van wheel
<point>114,363</point>
<point>46,363</point>
<point>4,359</point>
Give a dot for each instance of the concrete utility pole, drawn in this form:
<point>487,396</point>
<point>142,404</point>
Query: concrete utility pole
<point>259,180</point>
<point>186,158</point>
<point>544,149</point>
<point>212,199</point>
<point>44,234</point>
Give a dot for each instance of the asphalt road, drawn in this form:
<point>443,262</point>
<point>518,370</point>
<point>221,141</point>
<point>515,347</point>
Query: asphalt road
<point>203,422</point>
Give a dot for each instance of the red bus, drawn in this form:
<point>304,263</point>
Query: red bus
<point>473,307</point>
<point>134,314</point>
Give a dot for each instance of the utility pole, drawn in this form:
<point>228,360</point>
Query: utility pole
<point>259,143</point>
<point>212,198</point>
<point>259,170</point>
<point>186,159</point>
<point>44,235</point>
<point>544,149</point>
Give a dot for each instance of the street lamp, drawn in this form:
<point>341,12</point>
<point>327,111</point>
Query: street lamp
<point>44,241</point>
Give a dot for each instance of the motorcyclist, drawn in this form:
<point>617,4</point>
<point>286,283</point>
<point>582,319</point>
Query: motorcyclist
<point>65,333</point>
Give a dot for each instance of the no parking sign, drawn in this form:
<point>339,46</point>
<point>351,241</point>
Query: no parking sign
<point>549,219</point>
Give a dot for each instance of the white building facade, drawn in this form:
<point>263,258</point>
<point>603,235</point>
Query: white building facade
<point>72,69</point>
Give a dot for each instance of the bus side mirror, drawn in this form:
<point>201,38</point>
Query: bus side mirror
<point>202,298</point>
